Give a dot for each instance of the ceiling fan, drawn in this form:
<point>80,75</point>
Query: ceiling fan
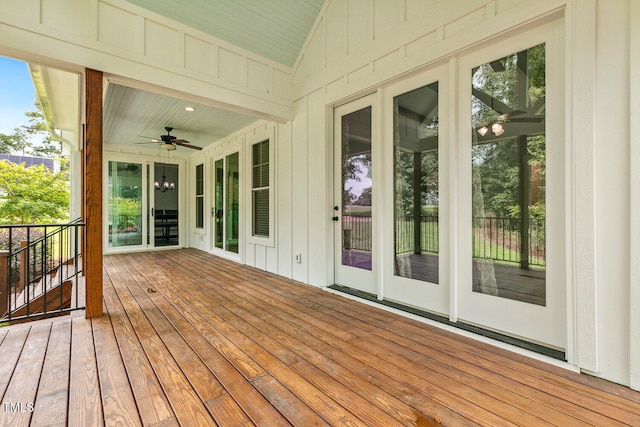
<point>170,142</point>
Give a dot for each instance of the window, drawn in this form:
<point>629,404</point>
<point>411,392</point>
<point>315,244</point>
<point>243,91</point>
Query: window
<point>260,189</point>
<point>200,196</point>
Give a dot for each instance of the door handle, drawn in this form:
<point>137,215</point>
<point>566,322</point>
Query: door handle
<point>336,218</point>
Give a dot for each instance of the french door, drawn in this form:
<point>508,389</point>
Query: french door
<point>226,204</point>
<point>355,234</point>
<point>458,209</point>
<point>142,202</point>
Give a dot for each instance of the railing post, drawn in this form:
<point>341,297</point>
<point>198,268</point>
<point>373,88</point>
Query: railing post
<point>23,278</point>
<point>4,282</point>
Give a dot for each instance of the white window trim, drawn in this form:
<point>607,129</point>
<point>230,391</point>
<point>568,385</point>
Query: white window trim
<point>258,137</point>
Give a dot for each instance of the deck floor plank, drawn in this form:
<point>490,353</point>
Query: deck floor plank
<point>447,398</point>
<point>10,351</point>
<point>51,403</point>
<point>204,382</point>
<point>117,397</point>
<point>300,320</point>
<point>85,406</point>
<point>223,358</point>
<point>23,387</point>
<point>627,414</point>
<point>153,407</point>
<point>257,309</point>
<point>188,408</point>
<point>298,385</point>
<point>192,339</point>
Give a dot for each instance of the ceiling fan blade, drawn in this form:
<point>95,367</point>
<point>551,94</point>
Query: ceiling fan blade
<point>183,143</point>
<point>149,137</point>
<point>147,142</point>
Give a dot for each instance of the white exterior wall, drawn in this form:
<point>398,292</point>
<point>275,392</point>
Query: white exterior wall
<point>358,46</point>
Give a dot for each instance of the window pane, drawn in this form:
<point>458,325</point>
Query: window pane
<point>166,205</point>
<point>508,177</point>
<point>416,183</point>
<point>125,204</point>
<point>261,213</point>
<point>233,203</point>
<point>260,185</point>
<point>356,189</point>
<point>200,180</point>
<point>260,163</point>
<point>200,196</point>
<point>199,212</point>
<point>219,204</point>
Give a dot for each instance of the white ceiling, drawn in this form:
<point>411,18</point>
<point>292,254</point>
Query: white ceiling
<point>129,113</point>
<point>275,29</point>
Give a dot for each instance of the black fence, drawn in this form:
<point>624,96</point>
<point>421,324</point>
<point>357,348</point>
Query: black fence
<point>494,238</point>
<point>39,270</point>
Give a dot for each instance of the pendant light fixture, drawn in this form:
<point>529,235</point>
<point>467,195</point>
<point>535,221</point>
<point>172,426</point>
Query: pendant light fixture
<point>165,185</point>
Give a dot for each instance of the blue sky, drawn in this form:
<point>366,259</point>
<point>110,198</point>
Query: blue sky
<point>17,94</point>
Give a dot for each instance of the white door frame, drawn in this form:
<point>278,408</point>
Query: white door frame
<point>546,325</point>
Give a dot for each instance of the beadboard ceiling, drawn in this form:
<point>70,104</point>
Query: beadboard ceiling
<point>275,29</point>
<point>133,116</point>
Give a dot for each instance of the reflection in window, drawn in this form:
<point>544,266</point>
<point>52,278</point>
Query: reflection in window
<point>200,196</point>
<point>416,183</point>
<point>125,204</point>
<point>219,204</point>
<point>508,177</point>
<point>260,189</point>
<point>357,193</point>
<point>232,196</point>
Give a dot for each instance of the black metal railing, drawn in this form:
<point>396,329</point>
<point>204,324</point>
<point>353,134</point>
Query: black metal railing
<point>498,239</point>
<point>39,268</point>
<point>501,239</point>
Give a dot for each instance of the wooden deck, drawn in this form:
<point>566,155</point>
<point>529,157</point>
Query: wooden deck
<point>190,339</point>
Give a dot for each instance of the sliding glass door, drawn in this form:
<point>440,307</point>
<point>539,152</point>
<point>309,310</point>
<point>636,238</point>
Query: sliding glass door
<point>142,202</point>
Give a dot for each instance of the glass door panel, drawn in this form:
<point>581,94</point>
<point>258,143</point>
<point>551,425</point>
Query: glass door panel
<point>357,189</point>
<point>508,177</point>
<point>416,184</point>
<point>226,203</point>
<point>232,203</point>
<point>166,205</point>
<point>218,204</point>
<point>124,199</point>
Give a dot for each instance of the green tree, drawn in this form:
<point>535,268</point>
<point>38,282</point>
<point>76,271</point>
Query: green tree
<point>35,138</point>
<point>30,195</point>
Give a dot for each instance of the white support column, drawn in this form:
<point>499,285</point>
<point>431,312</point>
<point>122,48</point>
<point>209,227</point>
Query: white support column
<point>634,168</point>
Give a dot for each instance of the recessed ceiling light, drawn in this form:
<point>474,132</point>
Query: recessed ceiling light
<point>190,109</point>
